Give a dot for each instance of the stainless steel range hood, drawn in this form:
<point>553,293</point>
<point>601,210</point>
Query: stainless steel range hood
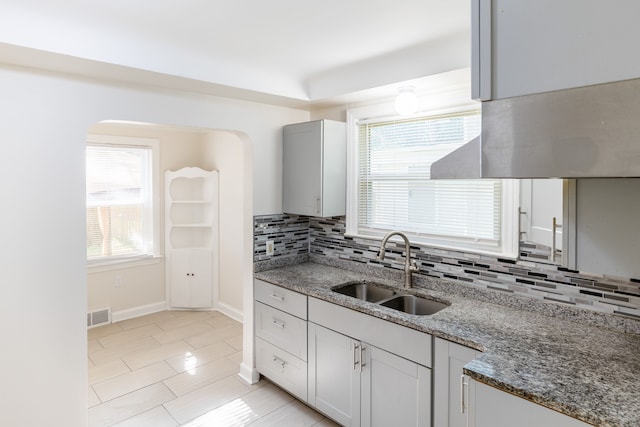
<point>586,132</point>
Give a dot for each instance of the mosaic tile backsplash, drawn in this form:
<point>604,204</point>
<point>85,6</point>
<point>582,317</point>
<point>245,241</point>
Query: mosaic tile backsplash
<point>298,235</point>
<point>290,235</point>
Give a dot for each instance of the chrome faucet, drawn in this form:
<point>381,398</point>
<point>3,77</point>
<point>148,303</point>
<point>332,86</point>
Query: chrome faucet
<point>409,266</point>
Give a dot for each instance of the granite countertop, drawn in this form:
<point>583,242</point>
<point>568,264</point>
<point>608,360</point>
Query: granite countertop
<point>590,373</point>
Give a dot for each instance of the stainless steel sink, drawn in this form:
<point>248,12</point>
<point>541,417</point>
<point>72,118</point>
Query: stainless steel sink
<point>414,305</point>
<point>395,299</point>
<point>367,291</point>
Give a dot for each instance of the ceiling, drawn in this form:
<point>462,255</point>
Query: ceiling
<point>293,52</point>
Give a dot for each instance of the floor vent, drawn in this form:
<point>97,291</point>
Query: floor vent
<point>99,317</point>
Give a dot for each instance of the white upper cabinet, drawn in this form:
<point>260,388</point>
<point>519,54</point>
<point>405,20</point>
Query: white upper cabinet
<point>314,168</point>
<point>521,47</point>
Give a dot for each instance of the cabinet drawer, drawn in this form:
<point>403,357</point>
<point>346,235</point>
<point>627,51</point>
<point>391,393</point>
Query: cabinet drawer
<point>282,368</point>
<point>281,329</point>
<point>281,298</point>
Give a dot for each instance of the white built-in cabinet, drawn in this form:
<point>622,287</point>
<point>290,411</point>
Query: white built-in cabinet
<point>490,407</point>
<point>191,238</point>
<point>190,278</point>
<point>522,47</point>
<point>314,168</point>
<point>364,371</point>
<point>449,406</point>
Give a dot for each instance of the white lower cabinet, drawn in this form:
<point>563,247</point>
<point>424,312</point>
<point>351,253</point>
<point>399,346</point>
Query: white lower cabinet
<point>334,375</point>
<point>191,276</point>
<point>356,380</point>
<point>281,337</point>
<point>364,371</point>
<point>490,407</point>
<point>395,391</point>
<point>449,359</point>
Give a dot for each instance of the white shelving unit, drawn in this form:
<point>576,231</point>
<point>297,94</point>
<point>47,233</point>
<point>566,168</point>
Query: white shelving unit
<point>191,241</point>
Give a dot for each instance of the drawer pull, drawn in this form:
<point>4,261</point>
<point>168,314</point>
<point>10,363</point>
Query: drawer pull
<point>276,297</point>
<point>463,386</point>
<point>279,361</point>
<point>278,323</point>
<point>356,347</point>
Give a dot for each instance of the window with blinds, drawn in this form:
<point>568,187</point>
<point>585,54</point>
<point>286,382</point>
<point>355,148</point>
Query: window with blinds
<point>119,202</point>
<point>394,190</point>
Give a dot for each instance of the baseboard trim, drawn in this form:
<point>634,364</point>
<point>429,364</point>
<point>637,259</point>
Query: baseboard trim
<point>232,312</point>
<point>249,374</point>
<point>142,310</point>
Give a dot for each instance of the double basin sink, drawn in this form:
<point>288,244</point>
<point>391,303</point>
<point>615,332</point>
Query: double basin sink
<point>392,298</point>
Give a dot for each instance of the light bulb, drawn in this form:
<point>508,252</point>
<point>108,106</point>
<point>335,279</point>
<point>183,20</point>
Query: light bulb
<point>407,101</point>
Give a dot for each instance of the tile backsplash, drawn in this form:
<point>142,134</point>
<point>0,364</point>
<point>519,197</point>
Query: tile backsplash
<point>290,235</point>
<point>298,235</point>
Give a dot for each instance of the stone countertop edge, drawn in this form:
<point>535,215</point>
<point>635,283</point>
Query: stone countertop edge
<point>591,373</point>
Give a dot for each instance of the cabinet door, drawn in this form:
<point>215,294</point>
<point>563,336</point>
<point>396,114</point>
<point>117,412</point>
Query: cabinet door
<point>541,200</point>
<point>302,168</point>
<point>334,375</point>
<point>450,358</point>
<point>200,287</point>
<point>180,278</point>
<point>538,46</point>
<point>490,407</point>
<point>191,278</point>
<point>395,391</point>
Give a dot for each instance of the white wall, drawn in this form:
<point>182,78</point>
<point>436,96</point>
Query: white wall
<point>225,152</point>
<point>231,155</point>
<point>45,119</point>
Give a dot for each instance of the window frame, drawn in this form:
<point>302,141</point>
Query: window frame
<point>119,261</point>
<point>509,239</point>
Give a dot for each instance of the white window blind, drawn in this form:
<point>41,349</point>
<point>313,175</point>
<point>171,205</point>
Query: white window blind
<point>119,202</point>
<point>395,192</point>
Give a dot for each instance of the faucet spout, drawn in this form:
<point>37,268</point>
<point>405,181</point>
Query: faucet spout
<point>409,266</point>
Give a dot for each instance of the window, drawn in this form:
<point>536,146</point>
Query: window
<point>121,211</point>
<point>391,182</point>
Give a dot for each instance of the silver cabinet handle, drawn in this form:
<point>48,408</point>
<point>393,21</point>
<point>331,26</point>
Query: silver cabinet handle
<point>554,230</point>
<point>355,358</point>
<point>362,364</point>
<point>276,297</point>
<point>278,323</point>
<point>552,257</point>
<point>463,385</point>
<point>521,234</point>
<point>318,205</point>
<point>279,361</point>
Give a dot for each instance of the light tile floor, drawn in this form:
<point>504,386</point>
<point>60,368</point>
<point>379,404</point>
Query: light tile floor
<point>181,368</point>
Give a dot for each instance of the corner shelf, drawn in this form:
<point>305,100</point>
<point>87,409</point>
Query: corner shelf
<point>191,238</point>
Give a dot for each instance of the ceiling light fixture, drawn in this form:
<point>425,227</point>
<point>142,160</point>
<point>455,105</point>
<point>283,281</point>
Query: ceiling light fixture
<point>407,101</point>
